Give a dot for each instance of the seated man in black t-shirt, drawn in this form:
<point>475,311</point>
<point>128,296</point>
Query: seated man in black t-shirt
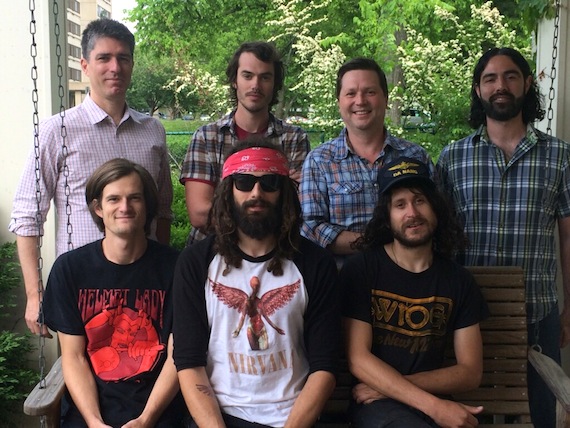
<point>404,298</point>
<point>111,305</point>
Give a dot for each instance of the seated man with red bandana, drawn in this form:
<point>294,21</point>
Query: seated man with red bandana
<point>256,322</point>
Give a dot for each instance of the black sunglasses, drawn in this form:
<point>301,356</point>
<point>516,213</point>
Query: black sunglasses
<point>268,183</point>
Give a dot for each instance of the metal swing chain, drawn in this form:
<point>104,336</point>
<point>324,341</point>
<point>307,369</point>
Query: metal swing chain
<point>63,130</point>
<point>39,219</point>
<point>553,70</point>
<point>37,170</point>
<point>550,116</point>
<point>39,222</point>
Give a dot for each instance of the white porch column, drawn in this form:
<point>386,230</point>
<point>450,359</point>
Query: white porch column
<point>561,103</point>
<point>16,110</point>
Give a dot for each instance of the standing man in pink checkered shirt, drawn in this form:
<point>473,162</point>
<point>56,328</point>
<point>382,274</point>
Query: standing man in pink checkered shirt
<point>103,127</point>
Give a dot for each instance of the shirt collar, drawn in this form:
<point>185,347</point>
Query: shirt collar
<point>343,150</point>
<point>96,114</point>
<point>274,127</point>
<point>481,135</point>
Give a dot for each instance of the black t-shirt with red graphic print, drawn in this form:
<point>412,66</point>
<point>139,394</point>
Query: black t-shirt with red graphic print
<point>125,314</point>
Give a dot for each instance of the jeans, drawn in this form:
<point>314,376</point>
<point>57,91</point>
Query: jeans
<point>546,334</point>
<point>388,413</point>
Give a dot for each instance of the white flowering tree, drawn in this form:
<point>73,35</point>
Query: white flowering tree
<point>437,76</point>
<point>316,60</point>
<point>194,82</point>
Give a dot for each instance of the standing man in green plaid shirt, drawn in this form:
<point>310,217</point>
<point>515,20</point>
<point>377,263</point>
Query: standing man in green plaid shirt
<point>510,185</point>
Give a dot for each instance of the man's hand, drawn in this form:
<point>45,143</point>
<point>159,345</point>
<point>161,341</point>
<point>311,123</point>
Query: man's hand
<point>449,414</point>
<point>295,175</point>
<point>363,394</point>
<point>135,423</point>
<point>32,318</point>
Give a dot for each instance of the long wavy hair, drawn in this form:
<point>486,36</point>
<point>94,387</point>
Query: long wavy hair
<point>448,236</point>
<point>221,220</point>
<point>532,106</point>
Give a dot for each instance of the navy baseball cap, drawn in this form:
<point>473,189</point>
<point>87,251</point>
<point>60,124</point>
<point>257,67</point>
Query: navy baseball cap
<point>403,169</point>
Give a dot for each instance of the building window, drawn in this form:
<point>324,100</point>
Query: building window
<point>74,74</point>
<point>74,51</point>
<point>103,13</point>
<point>73,28</point>
<point>75,6</point>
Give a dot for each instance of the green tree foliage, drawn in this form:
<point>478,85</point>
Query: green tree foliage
<point>315,36</point>
<point>148,90</point>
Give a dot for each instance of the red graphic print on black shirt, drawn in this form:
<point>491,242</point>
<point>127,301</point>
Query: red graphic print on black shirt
<point>122,343</point>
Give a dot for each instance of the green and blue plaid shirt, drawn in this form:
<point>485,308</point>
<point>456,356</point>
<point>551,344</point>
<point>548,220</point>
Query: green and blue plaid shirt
<point>509,208</point>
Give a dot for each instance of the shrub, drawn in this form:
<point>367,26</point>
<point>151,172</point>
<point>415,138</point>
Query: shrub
<point>15,376</point>
<point>180,227</point>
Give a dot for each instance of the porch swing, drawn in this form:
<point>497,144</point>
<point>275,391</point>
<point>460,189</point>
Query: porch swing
<point>45,399</point>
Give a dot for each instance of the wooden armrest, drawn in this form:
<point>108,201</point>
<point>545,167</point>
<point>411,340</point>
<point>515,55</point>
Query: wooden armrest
<point>46,401</point>
<point>553,375</point>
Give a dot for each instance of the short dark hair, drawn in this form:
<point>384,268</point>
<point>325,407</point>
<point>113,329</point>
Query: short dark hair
<point>265,52</point>
<point>361,64</point>
<point>105,27</point>
<point>531,110</point>
<point>221,220</point>
<point>112,171</point>
<point>448,237</point>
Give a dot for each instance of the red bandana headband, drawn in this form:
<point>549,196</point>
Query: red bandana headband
<point>256,159</point>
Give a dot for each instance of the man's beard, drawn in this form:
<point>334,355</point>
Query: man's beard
<point>503,111</point>
<point>415,242</point>
<point>257,225</point>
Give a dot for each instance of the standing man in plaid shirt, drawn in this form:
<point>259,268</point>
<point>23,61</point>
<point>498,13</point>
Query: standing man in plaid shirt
<point>255,75</point>
<point>339,187</point>
<point>510,185</point>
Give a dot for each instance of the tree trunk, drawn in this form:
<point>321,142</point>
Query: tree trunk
<point>396,78</point>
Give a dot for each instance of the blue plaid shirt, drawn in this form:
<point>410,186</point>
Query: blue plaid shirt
<point>509,208</point>
<point>339,189</point>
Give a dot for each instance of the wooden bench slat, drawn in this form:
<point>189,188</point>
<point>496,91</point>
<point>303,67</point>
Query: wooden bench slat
<point>504,365</point>
<point>504,351</point>
<point>504,323</point>
<point>500,394</point>
<point>510,408</point>
<point>518,337</point>
<point>503,379</point>
<point>41,400</point>
<point>508,309</point>
<point>503,294</point>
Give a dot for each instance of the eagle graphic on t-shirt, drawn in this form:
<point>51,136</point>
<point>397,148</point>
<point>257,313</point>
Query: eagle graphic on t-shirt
<point>256,308</point>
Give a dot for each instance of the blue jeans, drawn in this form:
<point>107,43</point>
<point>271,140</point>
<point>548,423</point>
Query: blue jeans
<point>546,334</point>
<point>388,413</point>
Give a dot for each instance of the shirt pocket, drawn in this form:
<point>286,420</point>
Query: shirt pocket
<point>347,200</point>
